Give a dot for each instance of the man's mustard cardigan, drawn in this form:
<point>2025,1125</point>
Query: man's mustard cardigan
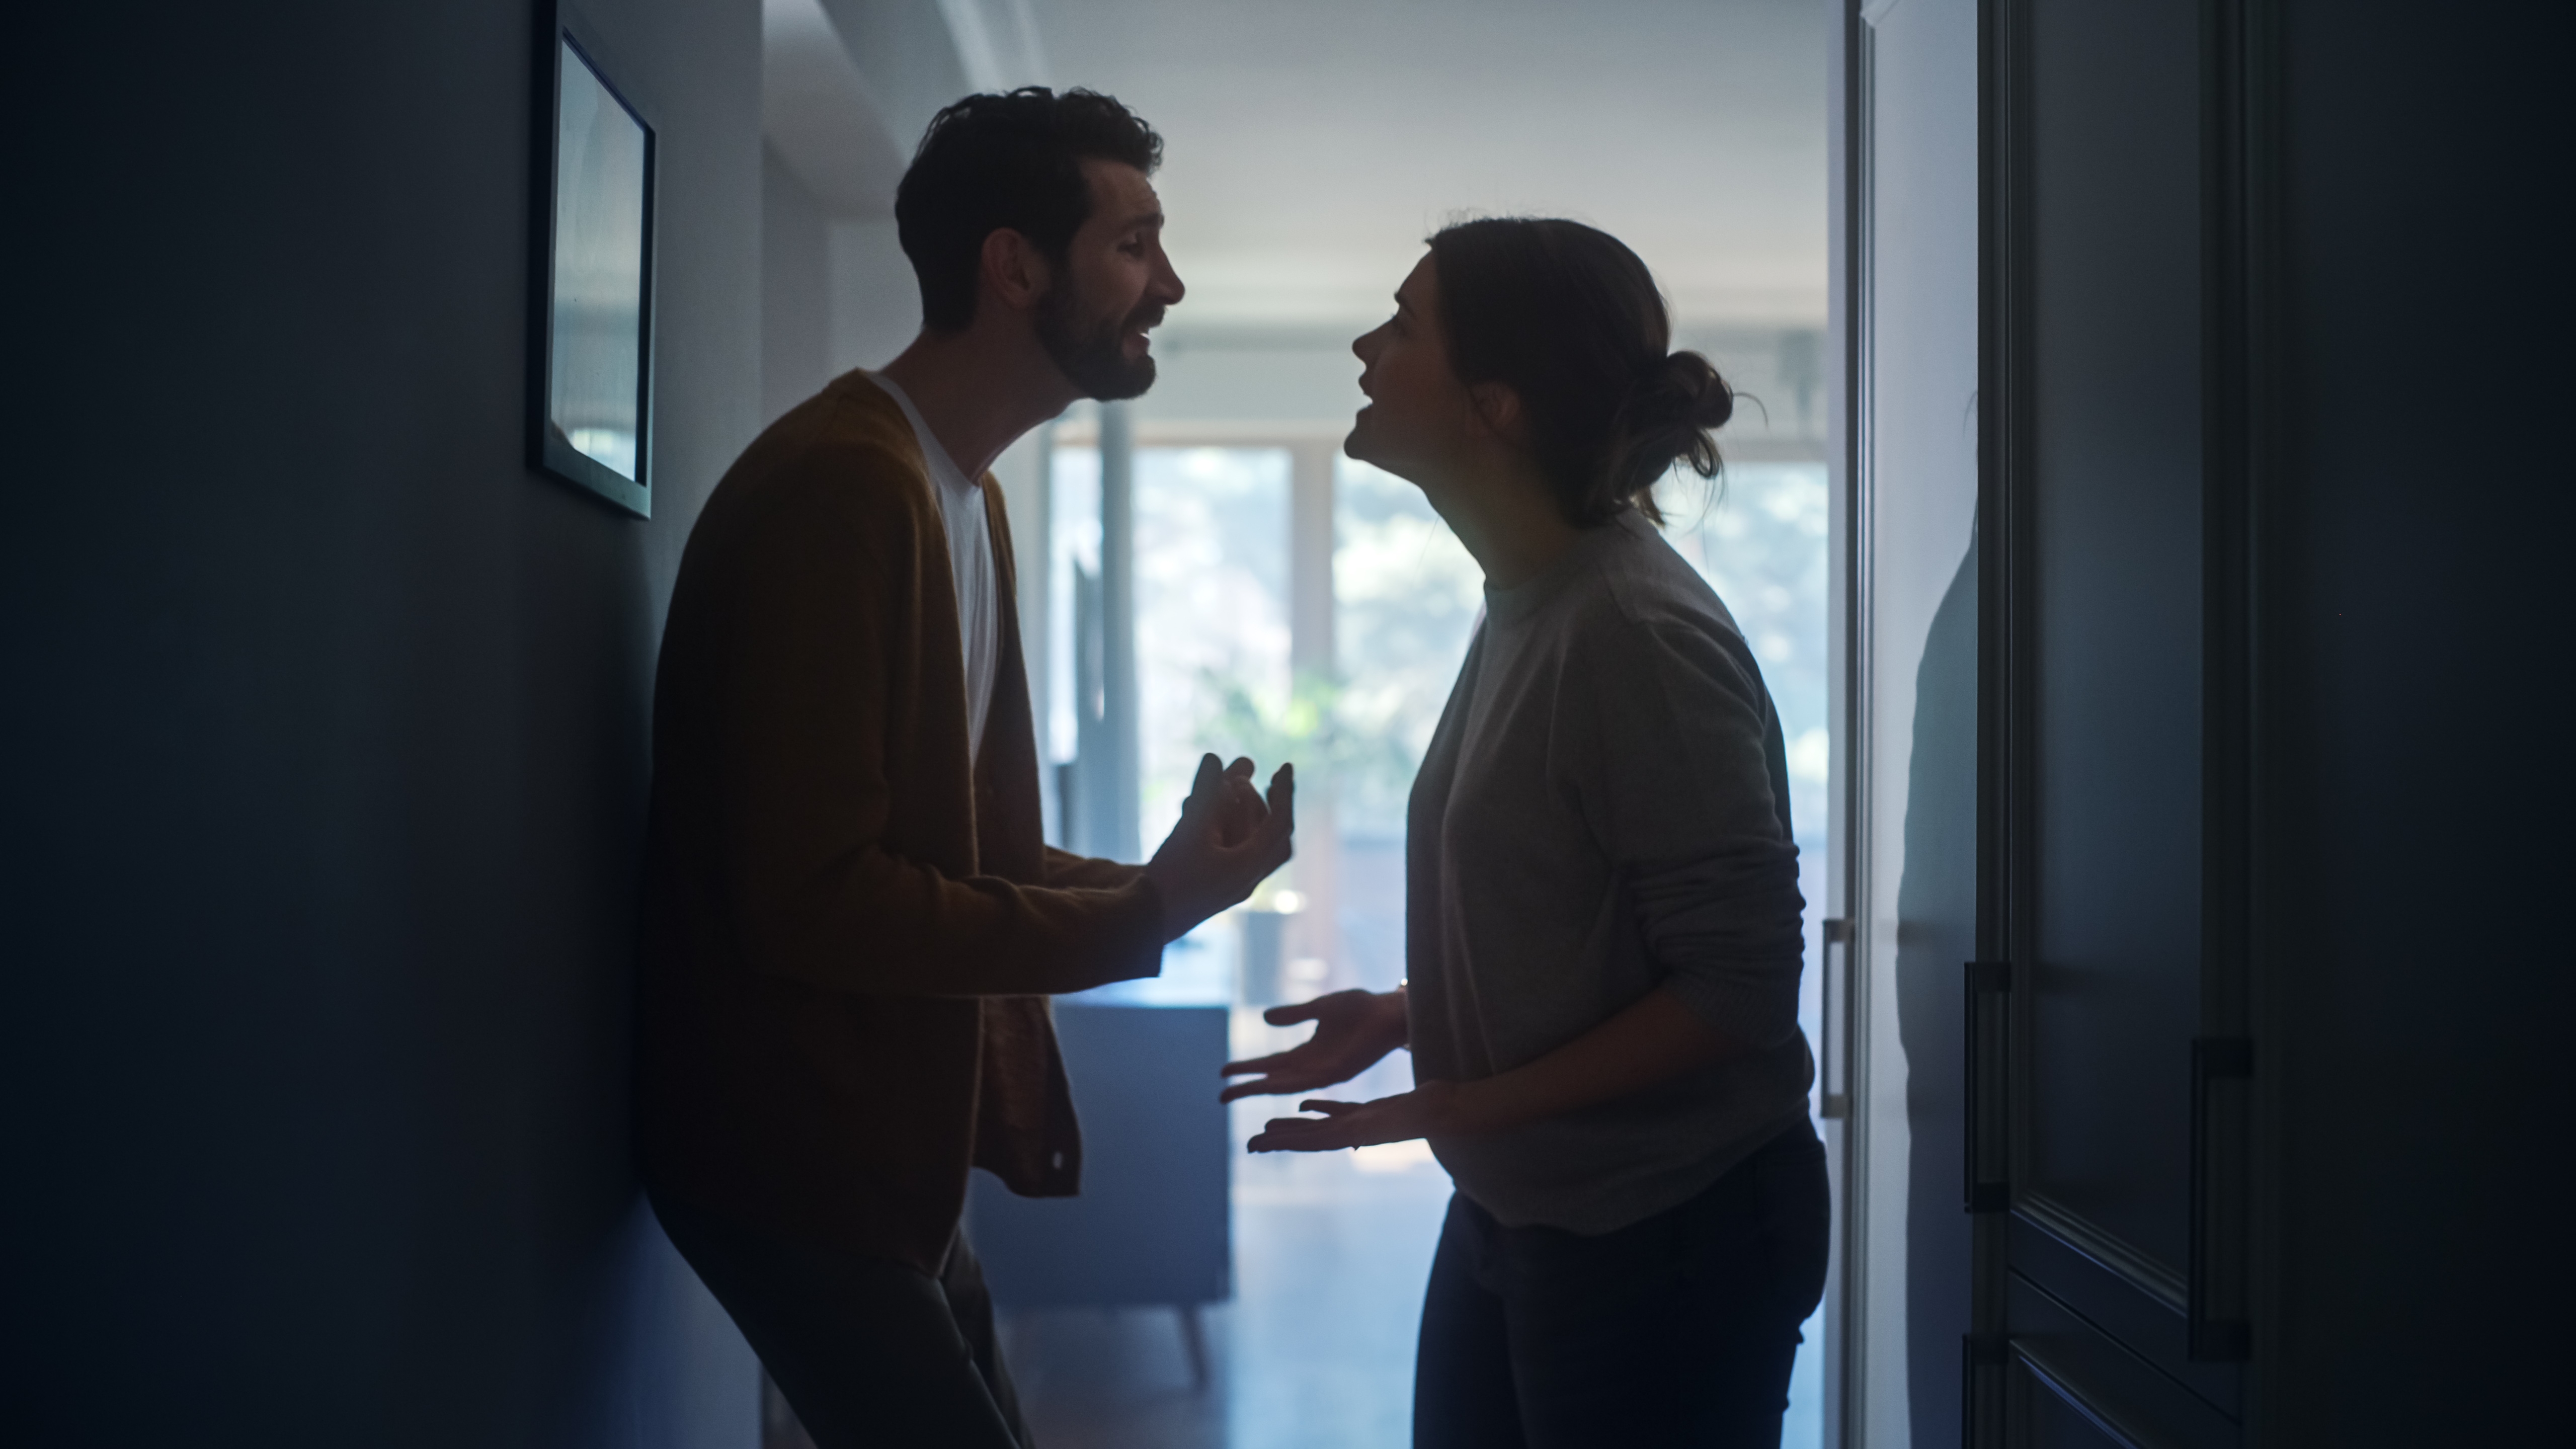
<point>849,935</point>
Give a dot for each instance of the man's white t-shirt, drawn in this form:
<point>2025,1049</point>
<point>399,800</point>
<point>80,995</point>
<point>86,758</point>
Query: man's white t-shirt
<point>970,562</point>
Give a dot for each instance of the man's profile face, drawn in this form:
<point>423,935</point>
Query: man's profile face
<point>1113,287</point>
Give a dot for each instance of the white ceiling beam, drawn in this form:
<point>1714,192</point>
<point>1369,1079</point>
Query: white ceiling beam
<point>848,86</point>
<point>824,119</point>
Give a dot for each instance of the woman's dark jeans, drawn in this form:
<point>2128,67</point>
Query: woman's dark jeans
<point>1678,1330</point>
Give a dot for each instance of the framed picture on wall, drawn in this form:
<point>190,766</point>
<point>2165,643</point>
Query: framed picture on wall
<point>591,338</point>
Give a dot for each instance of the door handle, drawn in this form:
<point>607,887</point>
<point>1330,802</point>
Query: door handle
<point>2222,1068</point>
<point>1988,1125</point>
<point>1834,1072</point>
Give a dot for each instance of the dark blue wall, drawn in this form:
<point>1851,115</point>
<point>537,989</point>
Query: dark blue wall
<point>2414,838</point>
<point>326,735</point>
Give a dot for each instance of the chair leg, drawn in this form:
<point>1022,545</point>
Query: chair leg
<point>1194,1342</point>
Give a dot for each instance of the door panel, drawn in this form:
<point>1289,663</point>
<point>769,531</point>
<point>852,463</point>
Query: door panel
<point>2113,949</point>
<point>2058,1422</point>
<point>2070,1379</point>
<point>2141,1323</point>
<point>2095,484</point>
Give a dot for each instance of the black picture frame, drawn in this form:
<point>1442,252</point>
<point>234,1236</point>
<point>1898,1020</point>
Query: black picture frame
<point>590,325</point>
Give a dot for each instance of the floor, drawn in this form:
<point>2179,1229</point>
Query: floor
<point>1315,1351</point>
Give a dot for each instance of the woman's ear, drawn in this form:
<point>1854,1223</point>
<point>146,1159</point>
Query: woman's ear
<point>1498,407</point>
<point>1014,269</point>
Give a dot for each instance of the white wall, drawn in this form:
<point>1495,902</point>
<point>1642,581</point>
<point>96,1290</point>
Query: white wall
<point>875,304</point>
<point>1917,489</point>
<point>795,289</point>
<point>321,912</point>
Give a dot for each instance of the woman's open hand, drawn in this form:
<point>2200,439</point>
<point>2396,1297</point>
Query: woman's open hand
<point>1427,1109</point>
<point>1353,1030</point>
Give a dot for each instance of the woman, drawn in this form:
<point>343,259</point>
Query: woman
<point>1603,931</point>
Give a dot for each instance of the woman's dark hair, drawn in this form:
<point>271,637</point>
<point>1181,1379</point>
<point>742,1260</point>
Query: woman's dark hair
<point>1010,161</point>
<point>1570,320</point>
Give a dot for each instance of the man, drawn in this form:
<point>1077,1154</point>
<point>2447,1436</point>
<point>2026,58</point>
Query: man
<point>851,921</point>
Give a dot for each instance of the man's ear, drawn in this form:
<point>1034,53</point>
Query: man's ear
<point>1014,271</point>
<point>1498,407</point>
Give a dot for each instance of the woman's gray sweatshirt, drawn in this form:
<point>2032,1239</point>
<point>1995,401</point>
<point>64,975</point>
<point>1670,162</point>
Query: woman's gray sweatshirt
<point>1604,809</point>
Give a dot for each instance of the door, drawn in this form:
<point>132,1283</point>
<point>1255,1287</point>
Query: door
<point>2104,1043</point>
<point>1904,892</point>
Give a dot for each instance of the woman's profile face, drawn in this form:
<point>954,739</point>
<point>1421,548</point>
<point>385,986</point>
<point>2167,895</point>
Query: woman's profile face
<point>1418,414</point>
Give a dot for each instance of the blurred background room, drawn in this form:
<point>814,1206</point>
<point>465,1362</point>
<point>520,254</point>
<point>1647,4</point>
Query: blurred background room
<point>1202,569</point>
<point>2188,1043</point>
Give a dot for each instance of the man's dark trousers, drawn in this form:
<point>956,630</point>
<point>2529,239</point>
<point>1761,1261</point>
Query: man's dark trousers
<point>868,1351</point>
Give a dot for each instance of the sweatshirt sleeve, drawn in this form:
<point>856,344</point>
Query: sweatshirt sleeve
<point>819,892</point>
<point>1684,792</point>
<point>1066,870</point>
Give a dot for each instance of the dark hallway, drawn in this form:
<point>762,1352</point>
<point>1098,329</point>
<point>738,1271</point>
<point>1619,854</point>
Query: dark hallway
<point>329,713</point>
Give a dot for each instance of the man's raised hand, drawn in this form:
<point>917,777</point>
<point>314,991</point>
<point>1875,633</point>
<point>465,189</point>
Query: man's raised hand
<point>1240,808</point>
<point>1227,840</point>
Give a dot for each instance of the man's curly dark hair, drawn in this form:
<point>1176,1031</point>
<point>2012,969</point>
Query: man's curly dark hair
<point>1010,161</point>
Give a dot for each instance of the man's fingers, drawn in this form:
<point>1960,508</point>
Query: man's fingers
<point>1329,1109</point>
<point>1283,806</point>
<point>1241,769</point>
<point>1240,794</point>
<point>1207,790</point>
<point>1243,812</point>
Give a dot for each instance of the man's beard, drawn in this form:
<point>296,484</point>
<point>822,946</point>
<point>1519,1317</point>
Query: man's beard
<point>1095,357</point>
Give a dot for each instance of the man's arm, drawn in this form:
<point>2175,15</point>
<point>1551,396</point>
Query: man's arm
<point>818,892</point>
<point>1065,870</point>
<point>1241,812</point>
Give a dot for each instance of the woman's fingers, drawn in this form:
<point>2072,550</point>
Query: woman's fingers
<point>1277,1084</point>
<point>1302,1134</point>
<point>1270,1063</point>
<point>1303,1057</point>
<point>1315,1009</point>
<point>1343,1124</point>
<point>1288,1076</point>
<point>1294,1013</point>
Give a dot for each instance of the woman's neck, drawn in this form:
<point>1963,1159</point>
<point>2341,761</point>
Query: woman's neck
<point>1507,516</point>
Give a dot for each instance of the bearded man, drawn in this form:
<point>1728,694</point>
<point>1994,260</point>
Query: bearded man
<point>851,920</point>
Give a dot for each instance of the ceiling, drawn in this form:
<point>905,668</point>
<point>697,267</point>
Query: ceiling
<point>1310,144</point>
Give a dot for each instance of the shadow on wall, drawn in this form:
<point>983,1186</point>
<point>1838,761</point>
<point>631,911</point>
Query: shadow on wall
<point>1936,934</point>
<point>663,1365</point>
<point>329,730</point>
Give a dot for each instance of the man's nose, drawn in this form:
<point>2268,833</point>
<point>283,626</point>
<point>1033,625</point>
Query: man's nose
<point>1167,283</point>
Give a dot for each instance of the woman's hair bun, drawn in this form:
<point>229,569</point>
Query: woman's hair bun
<point>1571,320</point>
<point>1678,401</point>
